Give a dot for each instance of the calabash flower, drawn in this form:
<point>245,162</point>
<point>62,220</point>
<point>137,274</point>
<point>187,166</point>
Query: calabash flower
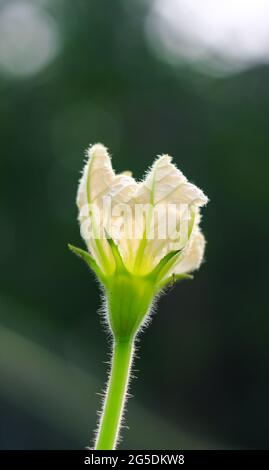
<point>140,238</point>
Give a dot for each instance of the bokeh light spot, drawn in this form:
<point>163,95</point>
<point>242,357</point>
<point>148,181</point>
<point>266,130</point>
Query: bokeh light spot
<point>29,38</point>
<point>227,36</point>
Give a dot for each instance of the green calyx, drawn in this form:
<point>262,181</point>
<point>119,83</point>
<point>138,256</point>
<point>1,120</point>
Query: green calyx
<point>130,296</point>
<point>129,299</point>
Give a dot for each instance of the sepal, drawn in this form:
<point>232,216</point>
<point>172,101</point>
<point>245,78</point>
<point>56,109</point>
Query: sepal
<point>164,265</point>
<point>89,260</point>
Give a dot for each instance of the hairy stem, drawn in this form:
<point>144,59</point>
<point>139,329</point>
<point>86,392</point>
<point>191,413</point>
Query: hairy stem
<point>115,396</point>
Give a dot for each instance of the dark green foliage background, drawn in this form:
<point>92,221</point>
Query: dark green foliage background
<point>203,364</point>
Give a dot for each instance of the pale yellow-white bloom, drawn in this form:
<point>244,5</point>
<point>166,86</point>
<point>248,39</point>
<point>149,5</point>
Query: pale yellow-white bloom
<point>141,237</point>
<point>140,208</point>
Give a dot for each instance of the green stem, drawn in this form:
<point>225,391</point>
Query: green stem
<point>115,396</point>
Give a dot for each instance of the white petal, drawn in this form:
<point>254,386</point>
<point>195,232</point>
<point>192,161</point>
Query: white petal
<point>126,173</point>
<point>122,189</point>
<point>97,177</point>
<point>165,183</point>
<point>122,221</point>
<point>96,181</point>
<point>193,255</point>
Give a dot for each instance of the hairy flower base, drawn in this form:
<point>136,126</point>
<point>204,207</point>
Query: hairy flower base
<point>128,293</point>
<point>130,296</point>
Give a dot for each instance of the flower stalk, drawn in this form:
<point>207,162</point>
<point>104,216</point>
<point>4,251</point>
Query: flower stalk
<point>111,417</point>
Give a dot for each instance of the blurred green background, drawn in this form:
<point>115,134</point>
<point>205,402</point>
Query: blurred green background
<point>73,73</point>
